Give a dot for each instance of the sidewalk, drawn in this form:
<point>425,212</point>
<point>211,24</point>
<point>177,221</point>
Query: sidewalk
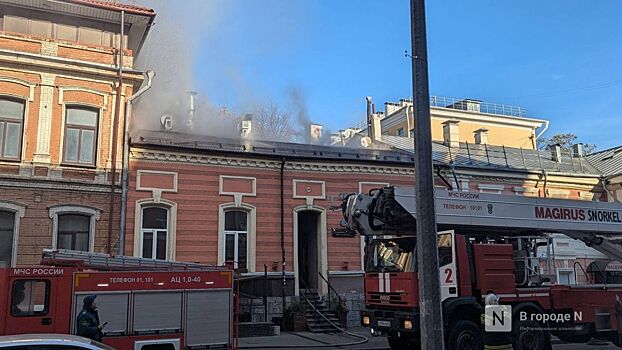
<point>308,340</point>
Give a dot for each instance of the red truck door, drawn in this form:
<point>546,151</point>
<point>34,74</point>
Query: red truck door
<point>31,305</point>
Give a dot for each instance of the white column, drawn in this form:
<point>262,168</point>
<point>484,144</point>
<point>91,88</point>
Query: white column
<point>46,102</point>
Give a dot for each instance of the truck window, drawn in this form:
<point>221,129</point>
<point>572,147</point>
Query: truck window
<point>165,346</point>
<point>445,251</point>
<point>30,298</point>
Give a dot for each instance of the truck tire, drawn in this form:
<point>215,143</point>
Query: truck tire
<point>529,335</point>
<point>396,343</point>
<point>465,335</point>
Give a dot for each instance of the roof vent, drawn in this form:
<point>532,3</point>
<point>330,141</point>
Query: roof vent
<point>166,122</point>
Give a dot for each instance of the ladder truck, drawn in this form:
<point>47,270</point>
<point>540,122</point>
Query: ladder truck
<point>147,303</point>
<point>488,244</point>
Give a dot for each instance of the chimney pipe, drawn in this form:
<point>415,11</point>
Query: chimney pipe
<point>368,98</point>
<point>192,110</point>
<point>577,150</point>
<point>481,136</point>
<point>556,153</point>
<point>451,133</point>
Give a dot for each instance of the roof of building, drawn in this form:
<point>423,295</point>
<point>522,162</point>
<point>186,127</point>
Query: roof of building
<point>116,6</point>
<point>268,148</point>
<point>608,161</point>
<point>498,157</point>
<point>391,149</point>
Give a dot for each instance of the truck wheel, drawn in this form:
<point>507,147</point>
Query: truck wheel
<point>465,335</point>
<point>529,335</point>
<point>396,343</point>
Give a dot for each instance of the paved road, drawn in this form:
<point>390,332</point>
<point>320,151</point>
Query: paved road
<point>307,340</point>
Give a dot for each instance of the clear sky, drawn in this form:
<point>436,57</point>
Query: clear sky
<point>559,59</point>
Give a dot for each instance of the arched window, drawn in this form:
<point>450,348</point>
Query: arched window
<point>11,128</point>
<point>236,238</point>
<point>80,144</point>
<point>154,231</point>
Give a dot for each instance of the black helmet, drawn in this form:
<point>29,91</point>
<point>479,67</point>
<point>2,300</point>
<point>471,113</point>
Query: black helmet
<point>89,300</point>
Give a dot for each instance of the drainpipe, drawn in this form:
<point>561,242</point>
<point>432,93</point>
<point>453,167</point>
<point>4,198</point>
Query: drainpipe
<point>126,158</point>
<point>283,235</point>
<point>408,121</point>
<point>113,156</point>
<point>546,126</point>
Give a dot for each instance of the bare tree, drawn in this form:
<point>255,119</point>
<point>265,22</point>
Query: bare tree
<point>565,141</point>
<point>272,123</point>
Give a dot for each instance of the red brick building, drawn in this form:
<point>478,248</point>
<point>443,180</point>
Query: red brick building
<point>209,200</point>
<point>59,63</point>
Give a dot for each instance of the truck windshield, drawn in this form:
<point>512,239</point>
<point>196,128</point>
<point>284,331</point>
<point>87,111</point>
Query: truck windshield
<point>396,255</point>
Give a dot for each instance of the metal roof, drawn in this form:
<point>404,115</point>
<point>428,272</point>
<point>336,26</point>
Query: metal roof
<point>267,148</point>
<point>392,149</point>
<point>498,157</point>
<point>608,161</point>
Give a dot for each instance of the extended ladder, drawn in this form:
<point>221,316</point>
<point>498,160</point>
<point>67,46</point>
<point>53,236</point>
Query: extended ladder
<point>100,261</point>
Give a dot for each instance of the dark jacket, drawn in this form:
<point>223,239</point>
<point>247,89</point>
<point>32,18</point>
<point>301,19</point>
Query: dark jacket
<point>88,324</point>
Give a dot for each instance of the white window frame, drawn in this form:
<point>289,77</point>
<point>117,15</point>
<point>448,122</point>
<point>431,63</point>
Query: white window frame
<point>251,237</point>
<point>154,231</point>
<point>19,210</point>
<point>236,236</point>
<point>171,233</point>
<point>564,269</point>
<point>92,212</point>
<point>490,188</point>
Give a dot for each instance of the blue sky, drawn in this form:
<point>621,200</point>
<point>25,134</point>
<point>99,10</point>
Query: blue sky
<point>560,59</point>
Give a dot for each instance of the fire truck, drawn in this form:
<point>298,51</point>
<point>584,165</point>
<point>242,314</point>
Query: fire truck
<point>488,243</point>
<point>147,304</point>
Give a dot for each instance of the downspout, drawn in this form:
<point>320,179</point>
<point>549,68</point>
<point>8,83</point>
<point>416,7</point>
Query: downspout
<point>546,126</point>
<point>126,158</point>
<point>113,156</point>
<point>408,122</point>
<point>284,282</point>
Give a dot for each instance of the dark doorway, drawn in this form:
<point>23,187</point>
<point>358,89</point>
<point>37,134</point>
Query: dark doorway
<point>308,249</point>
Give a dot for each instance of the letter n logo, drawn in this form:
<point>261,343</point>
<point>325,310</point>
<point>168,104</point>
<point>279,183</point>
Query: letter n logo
<point>498,318</point>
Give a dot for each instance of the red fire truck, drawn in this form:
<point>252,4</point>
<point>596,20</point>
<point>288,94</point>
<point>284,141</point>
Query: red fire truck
<point>147,304</point>
<point>495,244</point>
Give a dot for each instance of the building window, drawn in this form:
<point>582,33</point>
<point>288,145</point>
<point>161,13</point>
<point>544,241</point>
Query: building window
<point>73,232</point>
<point>7,229</point>
<point>11,126</point>
<point>236,237</point>
<point>73,227</point>
<point>490,188</point>
<point>154,232</point>
<point>400,132</point>
<point>80,135</point>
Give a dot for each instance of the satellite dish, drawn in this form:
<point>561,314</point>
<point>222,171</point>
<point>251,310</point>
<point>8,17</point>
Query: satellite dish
<point>366,141</point>
<point>166,121</point>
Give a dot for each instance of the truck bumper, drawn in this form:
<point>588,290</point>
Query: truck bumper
<point>391,323</point>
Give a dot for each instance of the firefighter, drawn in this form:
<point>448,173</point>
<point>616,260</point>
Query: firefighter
<point>88,320</point>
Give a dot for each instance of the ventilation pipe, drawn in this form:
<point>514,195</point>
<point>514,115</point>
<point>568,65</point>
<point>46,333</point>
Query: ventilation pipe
<point>126,157</point>
<point>369,123</point>
<point>451,133</point>
<point>191,110</point>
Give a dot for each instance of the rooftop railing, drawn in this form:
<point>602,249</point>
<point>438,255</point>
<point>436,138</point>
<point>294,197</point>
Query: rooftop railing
<point>472,105</point>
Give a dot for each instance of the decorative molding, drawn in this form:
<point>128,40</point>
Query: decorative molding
<point>251,246</point>
<point>171,233</point>
<point>146,155</point>
<point>62,89</point>
<point>19,211</point>
<point>92,212</point>
<point>139,186</point>
<point>237,196</point>
<point>31,87</point>
<point>309,198</point>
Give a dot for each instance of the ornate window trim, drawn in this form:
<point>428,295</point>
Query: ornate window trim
<point>92,212</point>
<point>171,235</point>
<point>251,243</point>
<point>19,210</point>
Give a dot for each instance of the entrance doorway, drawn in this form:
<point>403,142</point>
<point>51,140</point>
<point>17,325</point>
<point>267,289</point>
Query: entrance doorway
<point>308,249</point>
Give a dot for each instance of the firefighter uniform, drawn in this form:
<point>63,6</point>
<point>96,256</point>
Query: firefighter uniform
<point>88,320</point>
